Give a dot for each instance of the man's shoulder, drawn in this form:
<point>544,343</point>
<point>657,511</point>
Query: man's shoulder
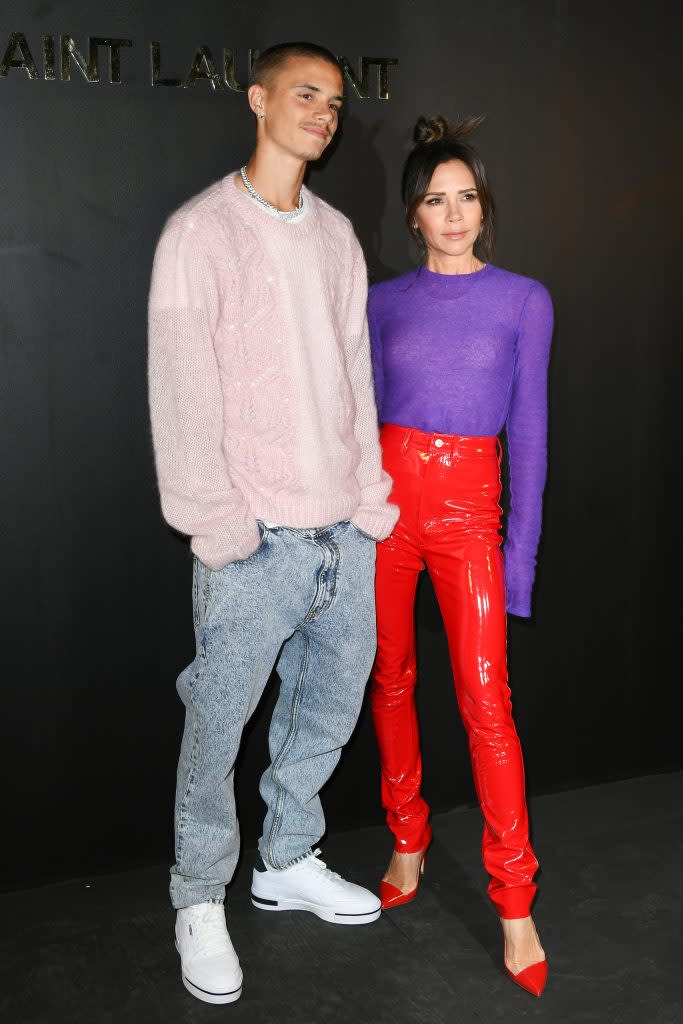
<point>202,216</point>
<point>332,218</point>
<point>198,208</point>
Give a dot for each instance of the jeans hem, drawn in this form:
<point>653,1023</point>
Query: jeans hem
<point>182,903</point>
<point>290,863</point>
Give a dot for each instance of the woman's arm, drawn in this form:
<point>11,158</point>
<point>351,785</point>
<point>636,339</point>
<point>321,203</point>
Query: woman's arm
<point>526,427</point>
<point>377,359</point>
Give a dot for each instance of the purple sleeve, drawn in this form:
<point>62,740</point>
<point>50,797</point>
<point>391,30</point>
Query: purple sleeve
<point>526,426</point>
<point>377,362</point>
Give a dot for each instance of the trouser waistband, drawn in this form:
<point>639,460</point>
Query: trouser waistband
<point>464,444</point>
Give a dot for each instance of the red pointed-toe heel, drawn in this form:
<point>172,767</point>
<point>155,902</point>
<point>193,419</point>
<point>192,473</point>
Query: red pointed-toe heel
<point>390,895</point>
<point>532,978</point>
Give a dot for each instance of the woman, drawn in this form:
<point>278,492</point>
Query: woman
<point>460,350</point>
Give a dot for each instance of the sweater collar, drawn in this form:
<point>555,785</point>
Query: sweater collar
<point>447,285</point>
<point>250,211</point>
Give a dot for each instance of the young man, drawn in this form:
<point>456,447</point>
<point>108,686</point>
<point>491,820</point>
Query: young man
<point>267,455</point>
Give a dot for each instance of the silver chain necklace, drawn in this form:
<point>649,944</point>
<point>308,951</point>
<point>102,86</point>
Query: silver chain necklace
<point>282,214</point>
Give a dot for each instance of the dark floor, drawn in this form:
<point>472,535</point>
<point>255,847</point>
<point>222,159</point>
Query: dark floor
<point>609,913</point>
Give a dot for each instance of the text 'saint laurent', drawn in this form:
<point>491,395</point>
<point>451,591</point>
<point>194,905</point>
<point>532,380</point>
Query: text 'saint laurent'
<point>60,53</point>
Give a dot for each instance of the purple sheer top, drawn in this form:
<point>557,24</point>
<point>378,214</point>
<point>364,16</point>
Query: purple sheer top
<point>468,354</point>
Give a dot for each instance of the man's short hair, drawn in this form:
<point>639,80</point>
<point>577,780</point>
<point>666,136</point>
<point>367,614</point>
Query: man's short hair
<point>271,61</point>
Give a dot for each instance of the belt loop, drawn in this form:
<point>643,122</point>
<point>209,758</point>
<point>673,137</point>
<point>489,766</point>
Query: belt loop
<point>406,441</point>
<point>500,451</point>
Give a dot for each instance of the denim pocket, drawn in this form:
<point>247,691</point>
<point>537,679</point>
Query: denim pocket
<point>264,535</point>
<point>195,590</point>
<point>201,580</point>
<point>361,533</point>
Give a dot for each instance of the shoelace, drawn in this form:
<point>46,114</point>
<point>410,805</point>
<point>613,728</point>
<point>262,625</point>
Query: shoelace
<point>315,861</point>
<point>213,933</point>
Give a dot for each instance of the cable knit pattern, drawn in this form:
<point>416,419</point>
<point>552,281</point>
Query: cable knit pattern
<point>261,394</point>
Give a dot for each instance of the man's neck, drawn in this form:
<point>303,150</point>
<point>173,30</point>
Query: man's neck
<point>276,176</point>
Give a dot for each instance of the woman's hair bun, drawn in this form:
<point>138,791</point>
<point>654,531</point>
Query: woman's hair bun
<point>438,129</point>
<point>430,129</point>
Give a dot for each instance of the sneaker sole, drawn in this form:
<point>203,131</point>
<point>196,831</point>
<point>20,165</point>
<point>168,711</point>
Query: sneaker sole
<point>324,913</point>
<point>217,998</point>
<point>211,997</point>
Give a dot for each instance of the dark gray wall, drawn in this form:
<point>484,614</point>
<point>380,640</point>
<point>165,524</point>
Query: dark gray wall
<point>583,143</point>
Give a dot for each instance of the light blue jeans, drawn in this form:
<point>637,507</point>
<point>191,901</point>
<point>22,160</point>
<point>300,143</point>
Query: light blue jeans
<point>304,603</point>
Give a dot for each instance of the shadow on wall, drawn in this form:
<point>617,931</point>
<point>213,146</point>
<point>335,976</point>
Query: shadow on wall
<point>358,187</point>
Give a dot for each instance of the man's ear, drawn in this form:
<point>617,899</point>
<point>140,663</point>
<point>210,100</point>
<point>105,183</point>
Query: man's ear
<point>256,96</point>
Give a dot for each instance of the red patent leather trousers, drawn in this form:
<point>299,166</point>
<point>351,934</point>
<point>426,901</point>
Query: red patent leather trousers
<point>448,490</point>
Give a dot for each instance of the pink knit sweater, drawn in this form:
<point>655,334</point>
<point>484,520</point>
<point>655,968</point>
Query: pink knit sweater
<point>260,376</point>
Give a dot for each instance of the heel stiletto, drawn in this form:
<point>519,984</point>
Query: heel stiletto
<point>390,895</point>
<point>532,978</point>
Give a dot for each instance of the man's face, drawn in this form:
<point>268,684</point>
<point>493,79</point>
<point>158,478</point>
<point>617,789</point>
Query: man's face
<point>301,105</point>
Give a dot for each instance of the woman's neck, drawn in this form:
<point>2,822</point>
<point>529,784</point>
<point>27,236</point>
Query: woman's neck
<point>439,263</point>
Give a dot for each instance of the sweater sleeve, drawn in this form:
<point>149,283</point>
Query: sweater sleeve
<point>377,356</point>
<point>526,427</point>
<point>374,515</point>
<point>198,496</point>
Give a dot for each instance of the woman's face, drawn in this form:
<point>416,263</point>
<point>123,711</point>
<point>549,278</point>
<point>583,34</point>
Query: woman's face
<point>449,216</point>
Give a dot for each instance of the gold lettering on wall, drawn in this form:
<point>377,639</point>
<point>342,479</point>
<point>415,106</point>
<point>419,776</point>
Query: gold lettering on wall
<point>202,67</point>
<point>383,65</point>
<point>155,61</point>
<point>114,55</point>
<point>361,83</point>
<point>229,69</point>
<point>91,69</point>
<point>17,41</point>
<point>49,58</point>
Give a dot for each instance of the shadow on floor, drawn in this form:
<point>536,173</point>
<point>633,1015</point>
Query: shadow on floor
<point>609,913</point>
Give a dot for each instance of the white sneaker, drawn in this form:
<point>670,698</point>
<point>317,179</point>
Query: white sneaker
<point>310,885</point>
<point>211,970</point>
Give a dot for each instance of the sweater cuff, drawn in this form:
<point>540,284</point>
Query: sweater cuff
<point>518,602</point>
<point>376,520</point>
<point>229,544</point>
